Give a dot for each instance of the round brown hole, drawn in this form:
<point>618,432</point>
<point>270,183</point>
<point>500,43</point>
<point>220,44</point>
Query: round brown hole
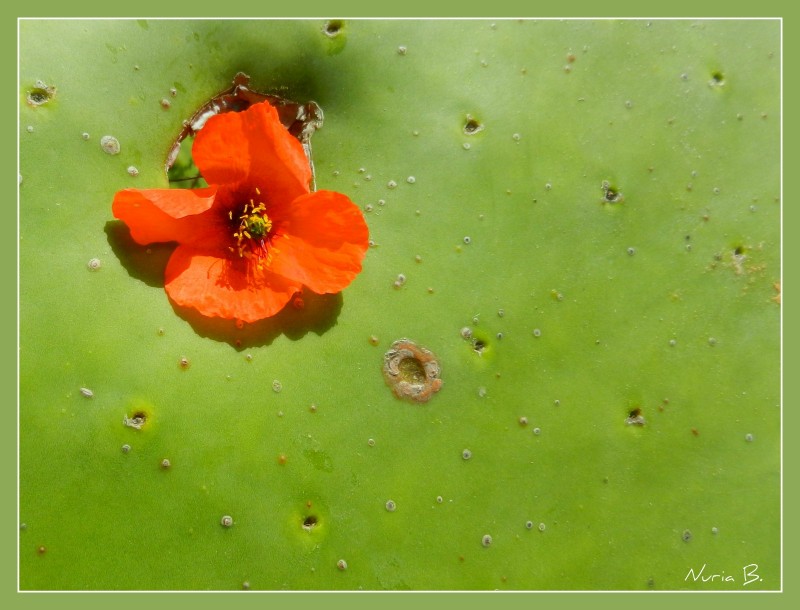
<point>411,371</point>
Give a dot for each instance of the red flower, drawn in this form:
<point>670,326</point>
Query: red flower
<point>253,238</point>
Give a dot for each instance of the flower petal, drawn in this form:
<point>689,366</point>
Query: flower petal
<point>161,215</point>
<point>320,240</point>
<point>225,288</point>
<point>253,146</point>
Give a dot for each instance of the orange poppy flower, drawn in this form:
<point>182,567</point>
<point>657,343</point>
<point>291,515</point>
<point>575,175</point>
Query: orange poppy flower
<point>257,234</point>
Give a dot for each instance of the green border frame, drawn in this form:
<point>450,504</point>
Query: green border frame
<point>355,8</point>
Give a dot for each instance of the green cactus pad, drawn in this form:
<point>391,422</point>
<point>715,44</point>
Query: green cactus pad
<point>586,218</point>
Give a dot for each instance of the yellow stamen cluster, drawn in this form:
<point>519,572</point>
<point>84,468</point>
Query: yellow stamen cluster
<point>252,234</point>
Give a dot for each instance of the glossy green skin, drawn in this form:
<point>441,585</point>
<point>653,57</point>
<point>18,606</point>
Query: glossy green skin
<point>565,107</point>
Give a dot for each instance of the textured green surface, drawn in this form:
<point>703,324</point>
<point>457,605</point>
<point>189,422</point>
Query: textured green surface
<point>698,165</point>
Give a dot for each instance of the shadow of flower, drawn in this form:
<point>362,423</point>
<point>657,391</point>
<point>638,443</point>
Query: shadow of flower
<point>309,312</point>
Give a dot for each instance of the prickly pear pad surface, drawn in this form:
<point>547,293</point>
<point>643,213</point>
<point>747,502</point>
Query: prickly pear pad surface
<point>596,201</point>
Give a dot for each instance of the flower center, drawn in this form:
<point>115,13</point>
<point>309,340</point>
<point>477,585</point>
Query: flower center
<point>252,234</point>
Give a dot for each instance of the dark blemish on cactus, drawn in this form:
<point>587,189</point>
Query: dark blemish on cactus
<point>717,79</point>
<point>136,421</point>
<point>40,93</point>
<point>412,371</point>
<point>686,536</point>
<point>309,523</point>
<point>611,194</point>
<point>333,27</point>
<point>472,126</point>
<point>635,418</point>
